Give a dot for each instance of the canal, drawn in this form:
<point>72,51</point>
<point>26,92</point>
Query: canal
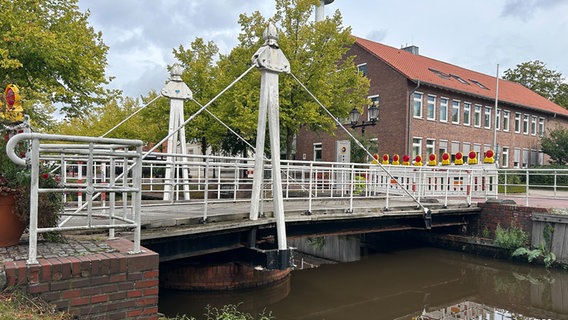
<point>401,282</point>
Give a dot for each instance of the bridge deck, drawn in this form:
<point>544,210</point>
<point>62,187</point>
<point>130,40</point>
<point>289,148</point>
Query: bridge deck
<point>160,220</point>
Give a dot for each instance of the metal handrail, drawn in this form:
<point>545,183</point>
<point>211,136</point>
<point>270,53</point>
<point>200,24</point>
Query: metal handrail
<point>88,150</point>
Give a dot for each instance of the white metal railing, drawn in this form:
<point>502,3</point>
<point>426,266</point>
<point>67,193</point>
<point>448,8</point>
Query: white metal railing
<point>87,154</point>
<point>229,179</point>
<point>537,183</point>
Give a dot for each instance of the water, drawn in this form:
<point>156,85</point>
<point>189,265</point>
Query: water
<point>401,284</point>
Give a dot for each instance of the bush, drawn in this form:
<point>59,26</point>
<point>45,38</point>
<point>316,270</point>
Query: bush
<point>510,238</point>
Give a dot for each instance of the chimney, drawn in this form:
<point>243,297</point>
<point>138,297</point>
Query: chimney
<point>412,49</point>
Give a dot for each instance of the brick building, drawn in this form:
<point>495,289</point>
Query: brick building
<point>429,106</point>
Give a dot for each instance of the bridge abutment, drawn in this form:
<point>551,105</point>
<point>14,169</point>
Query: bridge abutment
<point>88,279</point>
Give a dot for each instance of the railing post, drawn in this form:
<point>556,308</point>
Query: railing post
<point>527,186</point>
<point>137,199</point>
<point>205,191</point>
<point>311,182</point>
<point>32,254</point>
<point>112,197</point>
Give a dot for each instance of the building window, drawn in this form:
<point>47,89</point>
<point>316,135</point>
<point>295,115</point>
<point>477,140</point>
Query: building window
<point>431,108</point>
<point>533,125</point>
<point>498,120</point>
<point>505,157</point>
<point>466,113</point>
<point>455,147</point>
<point>430,147</point>
<point>317,151</point>
<point>444,109</point>
<point>416,147</point>
<point>487,118</point>
<point>506,116</point>
<point>525,157</point>
<point>362,69</point>
<point>477,116</point>
<point>479,84</point>
<point>541,127</point>
<point>443,147</point>
<point>418,105</point>
<point>526,124</point>
<point>455,111</point>
<point>516,158</point>
<point>517,122</point>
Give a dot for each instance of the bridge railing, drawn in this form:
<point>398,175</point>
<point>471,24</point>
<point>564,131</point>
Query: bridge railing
<point>214,179</point>
<point>533,183</point>
<point>77,162</point>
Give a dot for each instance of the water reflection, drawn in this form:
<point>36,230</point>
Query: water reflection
<point>401,284</point>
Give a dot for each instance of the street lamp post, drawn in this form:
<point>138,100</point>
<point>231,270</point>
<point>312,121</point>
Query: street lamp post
<point>354,116</point>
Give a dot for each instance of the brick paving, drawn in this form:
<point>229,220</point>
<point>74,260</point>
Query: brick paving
<point>70,247</point>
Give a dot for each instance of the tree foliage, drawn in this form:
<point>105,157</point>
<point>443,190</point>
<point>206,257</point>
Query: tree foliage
<point>535,76</point>
<point>555,144</point>
<point>52,54</point>
<point>316,52</point>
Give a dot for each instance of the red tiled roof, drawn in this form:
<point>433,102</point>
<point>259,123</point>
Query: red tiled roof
<point>445,75</point>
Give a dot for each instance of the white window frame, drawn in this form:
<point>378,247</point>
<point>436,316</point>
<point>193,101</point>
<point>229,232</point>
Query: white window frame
<point>487,117</point>
<point>416,147</point>
<point>317,147</point>
<point>431,107</point>
<point>362,69</point>
<point>505,157</point>
<point>518,116</point>
<point>467,113</point>
<point>498,119</point>
<point>430,147</point>
<point>444,109</point>
<point>477,116</point>
<point>417,105</point>
<point>456,111</point>
<point>373,98</point>
<point>541,127</point>
<point>526,118</point>
<point>506,120</point>
<point>534,120</point>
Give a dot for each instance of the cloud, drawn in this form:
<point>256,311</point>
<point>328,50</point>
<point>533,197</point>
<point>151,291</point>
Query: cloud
<point>525,9</point>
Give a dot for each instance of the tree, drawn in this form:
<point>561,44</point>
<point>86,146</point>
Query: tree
<point>53,55</point>
<point>144,126</point>
<point>535,76</point>
<point>555,144</point>
<point>200,75</point>
<point>316,52</point>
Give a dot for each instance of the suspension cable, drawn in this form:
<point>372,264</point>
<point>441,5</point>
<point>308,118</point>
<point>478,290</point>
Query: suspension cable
<point>130,116</point>
<point>198,112</point>
<point>358,142</point>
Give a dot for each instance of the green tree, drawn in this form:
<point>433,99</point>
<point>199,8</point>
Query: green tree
<point>535,76</point>
<point>555,144</point>
<point>144,126</point>
<point>53,55</point>
<point>200,75</point>
<point>317,56</point>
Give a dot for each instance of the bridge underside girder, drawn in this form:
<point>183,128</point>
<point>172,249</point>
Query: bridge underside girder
<point>261,239</point>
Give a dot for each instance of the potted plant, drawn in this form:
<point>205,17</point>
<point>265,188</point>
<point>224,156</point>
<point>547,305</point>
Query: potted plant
<point>15,189</point>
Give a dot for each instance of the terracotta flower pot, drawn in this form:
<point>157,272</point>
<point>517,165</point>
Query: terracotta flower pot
<point>11,228</point>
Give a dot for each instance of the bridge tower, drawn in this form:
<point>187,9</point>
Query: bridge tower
<point>271,62</point>
<point>177,91</point>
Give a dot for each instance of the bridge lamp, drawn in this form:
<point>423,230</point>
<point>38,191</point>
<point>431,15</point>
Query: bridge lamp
<point>354,116</point>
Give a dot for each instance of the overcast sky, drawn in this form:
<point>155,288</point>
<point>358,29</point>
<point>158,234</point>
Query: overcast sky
<point>476,35</point>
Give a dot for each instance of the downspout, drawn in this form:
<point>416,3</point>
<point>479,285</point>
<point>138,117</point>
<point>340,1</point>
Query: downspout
<point>410,113</point>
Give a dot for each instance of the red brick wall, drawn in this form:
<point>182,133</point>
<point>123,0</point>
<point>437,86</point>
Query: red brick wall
<point>227,276</point>
<point>494,213</point>
<point>113,285</point>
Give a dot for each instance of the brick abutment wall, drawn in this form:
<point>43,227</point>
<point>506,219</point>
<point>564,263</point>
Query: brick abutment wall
<point>108,285</point>
<point>504,214</point>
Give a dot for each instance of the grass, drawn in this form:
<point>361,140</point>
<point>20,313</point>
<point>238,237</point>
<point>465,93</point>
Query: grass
<point>14,304</point>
